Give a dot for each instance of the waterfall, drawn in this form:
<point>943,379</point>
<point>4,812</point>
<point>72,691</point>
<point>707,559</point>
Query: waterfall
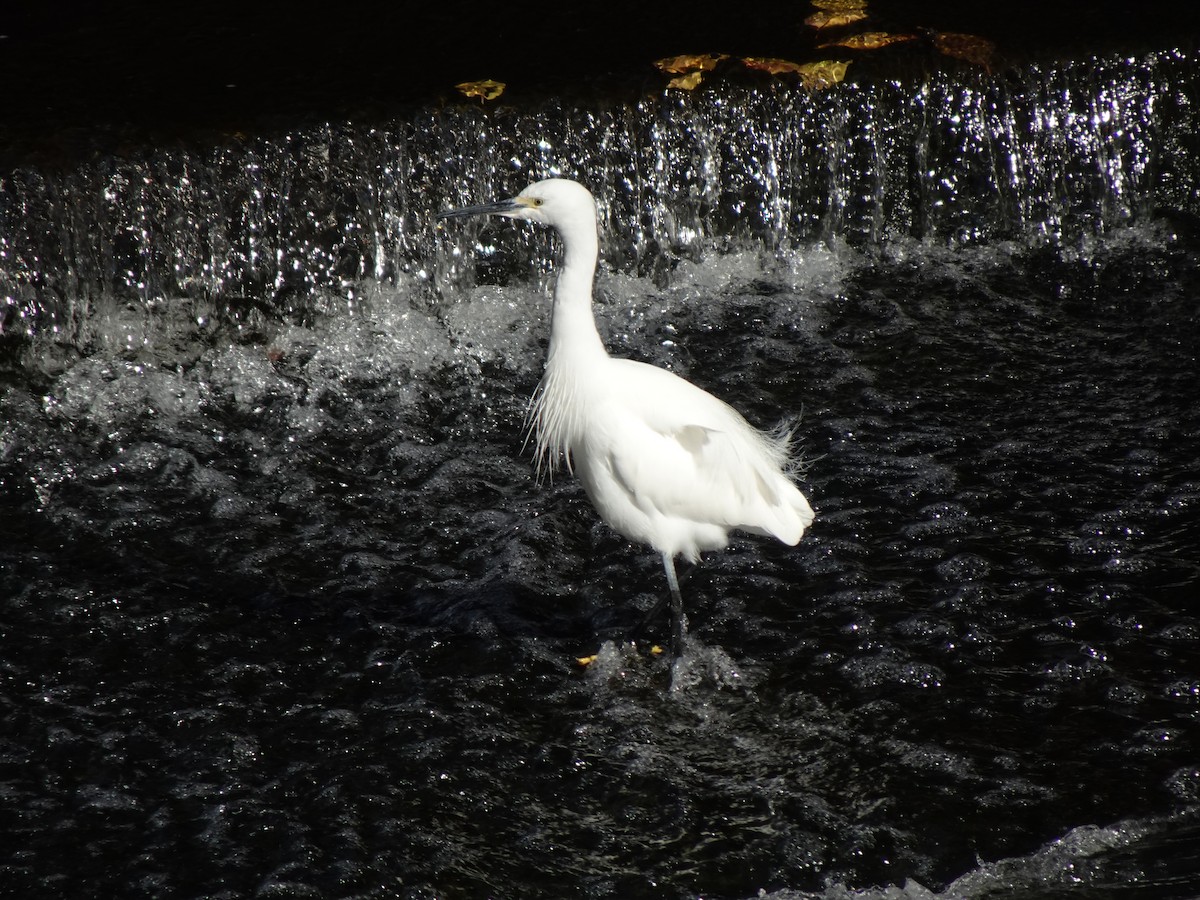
<point>279,226</point>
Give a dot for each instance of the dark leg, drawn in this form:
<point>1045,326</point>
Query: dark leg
<point>678,629</point>
<point>655,611</point>
<point>675,598</point>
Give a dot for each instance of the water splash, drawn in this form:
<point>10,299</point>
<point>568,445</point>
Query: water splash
<point>282,227</point>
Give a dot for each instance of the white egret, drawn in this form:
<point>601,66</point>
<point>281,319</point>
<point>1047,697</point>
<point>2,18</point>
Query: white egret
<point>663,462</point>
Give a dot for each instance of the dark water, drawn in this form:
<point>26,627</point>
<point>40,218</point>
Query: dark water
<point>285,614</point>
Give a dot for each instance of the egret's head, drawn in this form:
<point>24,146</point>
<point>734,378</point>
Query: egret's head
<point>563,204</point>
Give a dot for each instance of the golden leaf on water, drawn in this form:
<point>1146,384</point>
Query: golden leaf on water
<point>677,65</point>
<point>969,47</point>
<point>839,5</point>
<point>771,66</point>
<point>687,82</point>
<point>823,74</point>
<point>813,75</point>
<point>484,90</point>
<point>835,19</point>
<point>870,40</point>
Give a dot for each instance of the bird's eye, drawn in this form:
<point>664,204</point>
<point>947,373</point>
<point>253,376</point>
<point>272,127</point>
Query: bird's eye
<point>537,201</point>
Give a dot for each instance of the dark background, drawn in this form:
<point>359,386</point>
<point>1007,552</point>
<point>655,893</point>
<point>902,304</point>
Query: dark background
<point>78,76</point>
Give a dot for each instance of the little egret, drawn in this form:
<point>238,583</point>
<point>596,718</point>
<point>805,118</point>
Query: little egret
<point>663,462</point>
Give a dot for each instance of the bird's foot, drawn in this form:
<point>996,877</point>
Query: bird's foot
<point>653,650</point>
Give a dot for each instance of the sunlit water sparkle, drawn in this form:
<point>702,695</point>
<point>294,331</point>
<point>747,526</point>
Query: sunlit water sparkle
<point>285,611</point>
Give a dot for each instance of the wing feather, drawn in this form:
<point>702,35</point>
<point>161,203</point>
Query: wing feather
<point>678,451</point>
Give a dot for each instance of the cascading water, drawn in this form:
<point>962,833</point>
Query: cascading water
<point>287,219</point>
<point>284,612</point>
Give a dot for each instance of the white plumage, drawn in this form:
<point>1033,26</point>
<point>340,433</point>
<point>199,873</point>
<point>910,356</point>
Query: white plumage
<point>663,462</point>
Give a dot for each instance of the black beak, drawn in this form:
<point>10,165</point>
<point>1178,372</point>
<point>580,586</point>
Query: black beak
<point>499,207</point>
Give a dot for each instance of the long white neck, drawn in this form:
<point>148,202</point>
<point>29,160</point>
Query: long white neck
<point>572,325</point>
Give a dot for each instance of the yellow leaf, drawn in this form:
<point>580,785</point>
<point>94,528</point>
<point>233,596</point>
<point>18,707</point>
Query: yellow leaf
<point>973,49</point>
<point>823,74</point>
<point>586,660</point>
<point>870,40</point>
<point>771,66</point>
<point>840,5</point>
<point>677,65</point>
<point>835,19</point>
<point>813,75</point>
<point>687,82</point>
<point>485,90</point>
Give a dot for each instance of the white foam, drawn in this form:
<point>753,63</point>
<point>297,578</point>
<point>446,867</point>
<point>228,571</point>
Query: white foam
<point>701,665</point>
<point>499,324</point>
<point>1076,861</point>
